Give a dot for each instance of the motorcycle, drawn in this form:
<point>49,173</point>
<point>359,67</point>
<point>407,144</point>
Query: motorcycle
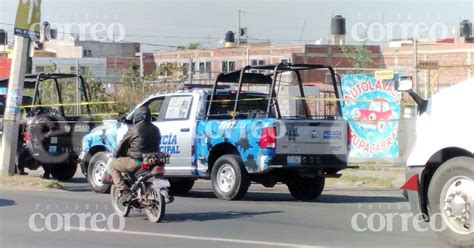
<point>148,187</point>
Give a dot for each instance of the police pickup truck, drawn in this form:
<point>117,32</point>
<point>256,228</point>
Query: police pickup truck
<point>440,167</point>
<point>234,134</point>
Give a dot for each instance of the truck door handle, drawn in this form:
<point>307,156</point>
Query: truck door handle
<point>184,129</point>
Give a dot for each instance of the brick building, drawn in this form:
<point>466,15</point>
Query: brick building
<point>206,64</point>
<point>440,63</point>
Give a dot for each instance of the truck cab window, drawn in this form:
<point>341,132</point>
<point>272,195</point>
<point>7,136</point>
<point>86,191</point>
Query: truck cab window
<point>155,107</point>
<point>178,108</point>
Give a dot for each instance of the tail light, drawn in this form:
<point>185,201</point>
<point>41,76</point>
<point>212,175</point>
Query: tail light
<point>159,170</point>
<point>26,137</point>
<point>268,138</point>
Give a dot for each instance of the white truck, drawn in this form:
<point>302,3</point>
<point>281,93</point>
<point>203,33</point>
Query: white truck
<point>440,167</point>
<point>235,136</point>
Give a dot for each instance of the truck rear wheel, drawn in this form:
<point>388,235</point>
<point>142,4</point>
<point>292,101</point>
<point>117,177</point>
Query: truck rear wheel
<point>306,189</point>
<point>183,186</point>
<point>451,201</point>
<point>63,172</point>
<point>230,180</point>
<point>95,171</point>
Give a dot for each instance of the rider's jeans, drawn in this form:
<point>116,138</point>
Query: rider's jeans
<point>119,165</point>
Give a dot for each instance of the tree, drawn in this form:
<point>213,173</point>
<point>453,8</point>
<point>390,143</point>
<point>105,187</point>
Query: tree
<point>194,46</point>
<point>358,55</point>
<point>190,46</point>
<point>97,93</point>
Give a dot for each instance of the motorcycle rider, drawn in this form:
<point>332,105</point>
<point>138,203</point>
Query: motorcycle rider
<point>141,138</point>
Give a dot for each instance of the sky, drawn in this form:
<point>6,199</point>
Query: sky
<point>164,25</point>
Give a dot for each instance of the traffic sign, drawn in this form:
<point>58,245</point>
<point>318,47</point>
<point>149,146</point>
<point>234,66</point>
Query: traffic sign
<point>384,75</point>
<point>428,64</point>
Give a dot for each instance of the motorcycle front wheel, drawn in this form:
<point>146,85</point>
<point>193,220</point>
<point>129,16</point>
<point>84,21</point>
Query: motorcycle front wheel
<point>156,211</point>
<point>119,208</point>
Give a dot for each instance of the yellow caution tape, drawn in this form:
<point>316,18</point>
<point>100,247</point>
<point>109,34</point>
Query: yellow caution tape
<point>66,104</point>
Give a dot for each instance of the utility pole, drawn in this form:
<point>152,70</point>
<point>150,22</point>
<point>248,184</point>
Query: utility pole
<point>190,70</point>
<point>302,31</point>
<point>415,63</point>
<point>78,89</point>
<point>142,74</point>
<point>11,121</point>
<point>238,29</point>
<point>27,26</point>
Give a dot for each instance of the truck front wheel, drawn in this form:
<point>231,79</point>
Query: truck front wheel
<point>451,201</point>
<point>64,172</point>
<point>305,188</point>
<point>230,180</point>
<point>95,171</point>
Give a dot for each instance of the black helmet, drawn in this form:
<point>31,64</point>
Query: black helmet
<point>143,113</point>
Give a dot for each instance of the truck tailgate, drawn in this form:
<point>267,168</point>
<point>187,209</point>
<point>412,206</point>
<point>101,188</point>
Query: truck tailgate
<point>306,137</point>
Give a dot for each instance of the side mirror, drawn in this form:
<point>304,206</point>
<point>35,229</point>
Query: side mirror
<point>404,84</point>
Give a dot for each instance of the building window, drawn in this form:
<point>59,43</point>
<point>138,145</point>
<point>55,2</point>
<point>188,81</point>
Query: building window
<point>257,62</point>
<point>202,67</point>
<point>185,68</point>
<point>228,66</point>
<point>285,61</point>
<point>87,53</point>
<point>39,68</point>
<point>72,69</point>
<point>208,67</point>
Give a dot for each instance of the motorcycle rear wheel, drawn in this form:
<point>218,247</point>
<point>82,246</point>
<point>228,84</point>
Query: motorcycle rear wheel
<point>156,212</point>
<point>119,208</point>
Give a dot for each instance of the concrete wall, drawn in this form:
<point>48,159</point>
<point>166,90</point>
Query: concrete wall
<point>98,66</point>
<point>75,49</point>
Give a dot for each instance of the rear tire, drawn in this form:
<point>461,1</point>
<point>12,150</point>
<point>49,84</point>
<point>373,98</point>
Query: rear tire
<point>306,189</point>
<point>95,170</point>
<point>156,213</point>
<point>230,180</point>
<point>64,172</point>
<point>447,179</point>
<point>181,187</point>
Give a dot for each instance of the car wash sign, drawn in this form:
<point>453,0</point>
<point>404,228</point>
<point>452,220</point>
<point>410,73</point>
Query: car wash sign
<point>372,107</point>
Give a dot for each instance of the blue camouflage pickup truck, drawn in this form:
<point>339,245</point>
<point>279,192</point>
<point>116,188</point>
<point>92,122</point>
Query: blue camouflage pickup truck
<point>240,131</point>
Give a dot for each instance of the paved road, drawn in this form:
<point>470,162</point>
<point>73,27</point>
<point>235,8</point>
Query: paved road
<point>265,218</point>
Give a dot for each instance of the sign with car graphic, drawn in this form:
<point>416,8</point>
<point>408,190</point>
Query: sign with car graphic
<point>372,108</point>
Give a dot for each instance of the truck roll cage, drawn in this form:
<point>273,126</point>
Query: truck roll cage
<point>36,79</point>
<point>246,75</point>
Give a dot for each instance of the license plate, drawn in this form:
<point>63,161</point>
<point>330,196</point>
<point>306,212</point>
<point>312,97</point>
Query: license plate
<point>161,183</point>
<point>294,160</point>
